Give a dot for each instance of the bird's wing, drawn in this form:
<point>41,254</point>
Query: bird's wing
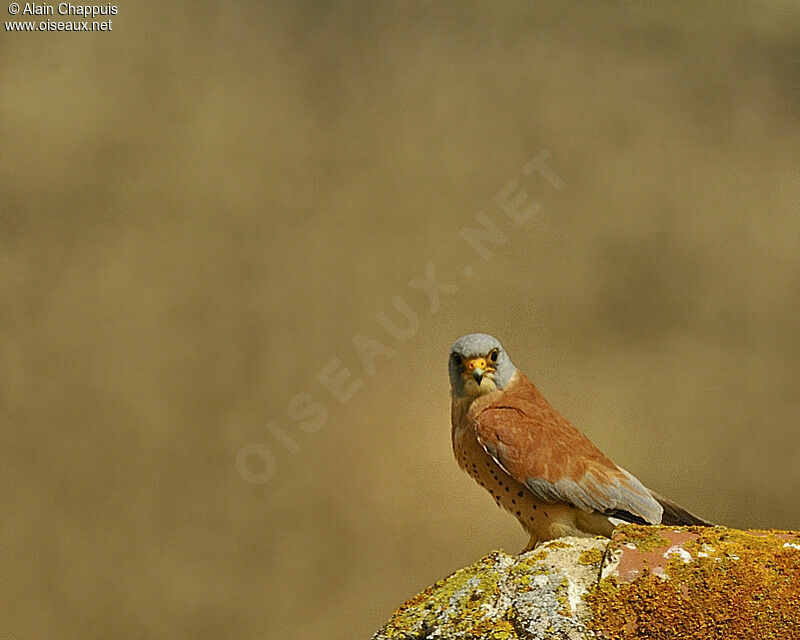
<point>678,516</point>
<point>541,449</point>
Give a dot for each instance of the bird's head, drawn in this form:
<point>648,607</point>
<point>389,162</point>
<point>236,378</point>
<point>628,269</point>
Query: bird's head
<point>478,364</point>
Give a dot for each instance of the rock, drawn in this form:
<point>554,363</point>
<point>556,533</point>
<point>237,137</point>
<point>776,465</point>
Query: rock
<point>646,582</point>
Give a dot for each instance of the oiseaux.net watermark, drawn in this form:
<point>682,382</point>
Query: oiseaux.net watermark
<point>513,208</point>
<point>63,16</point>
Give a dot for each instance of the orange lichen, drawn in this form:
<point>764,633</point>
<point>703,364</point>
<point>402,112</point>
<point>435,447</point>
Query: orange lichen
<point>558,544</point>
<point>591,556</point>
<point>738,585</point>
<point>644,538</point>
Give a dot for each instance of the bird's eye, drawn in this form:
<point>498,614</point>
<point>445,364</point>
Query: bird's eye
<point>493,355</point>
<point>456,358</point>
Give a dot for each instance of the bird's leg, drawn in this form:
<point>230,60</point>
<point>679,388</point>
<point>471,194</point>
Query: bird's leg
<point>534,542</point>
<point>595,524</point>
<point>558,528</point>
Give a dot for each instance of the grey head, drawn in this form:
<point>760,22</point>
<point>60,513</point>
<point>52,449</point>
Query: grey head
<point>478,364</point>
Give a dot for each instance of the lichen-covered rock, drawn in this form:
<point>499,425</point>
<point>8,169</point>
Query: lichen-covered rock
<point>698,583</point>
<point>659,583</point>
<point>538,595</point>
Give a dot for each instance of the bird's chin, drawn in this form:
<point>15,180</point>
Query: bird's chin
<point>473,389</point>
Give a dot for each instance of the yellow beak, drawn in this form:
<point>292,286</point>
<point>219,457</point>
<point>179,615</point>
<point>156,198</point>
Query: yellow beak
<point>476,368</point>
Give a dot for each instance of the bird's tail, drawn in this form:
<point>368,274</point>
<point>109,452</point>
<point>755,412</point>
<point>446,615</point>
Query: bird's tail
<point>676,516</point>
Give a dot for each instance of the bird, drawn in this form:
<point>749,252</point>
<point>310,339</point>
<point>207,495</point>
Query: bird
<point>533,461</point>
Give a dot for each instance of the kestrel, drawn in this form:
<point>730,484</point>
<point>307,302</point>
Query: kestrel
<point>532,460</point>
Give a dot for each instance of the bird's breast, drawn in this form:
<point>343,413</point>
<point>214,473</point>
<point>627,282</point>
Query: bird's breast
<point>507,492</point>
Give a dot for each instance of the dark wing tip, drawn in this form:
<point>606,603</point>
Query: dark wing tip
<point>677,516</point>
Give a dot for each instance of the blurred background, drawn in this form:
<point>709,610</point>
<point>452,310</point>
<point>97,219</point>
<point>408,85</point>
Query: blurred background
<point>203,208</point>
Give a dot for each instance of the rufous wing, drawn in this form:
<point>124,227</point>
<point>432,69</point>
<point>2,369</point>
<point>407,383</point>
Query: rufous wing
<point>541,449</point>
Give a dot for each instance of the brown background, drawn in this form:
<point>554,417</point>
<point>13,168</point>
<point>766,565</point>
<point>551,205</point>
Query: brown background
<point>201,209</point>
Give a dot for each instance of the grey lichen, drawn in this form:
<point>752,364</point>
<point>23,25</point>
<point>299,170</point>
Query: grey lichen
<point>536,596</point>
